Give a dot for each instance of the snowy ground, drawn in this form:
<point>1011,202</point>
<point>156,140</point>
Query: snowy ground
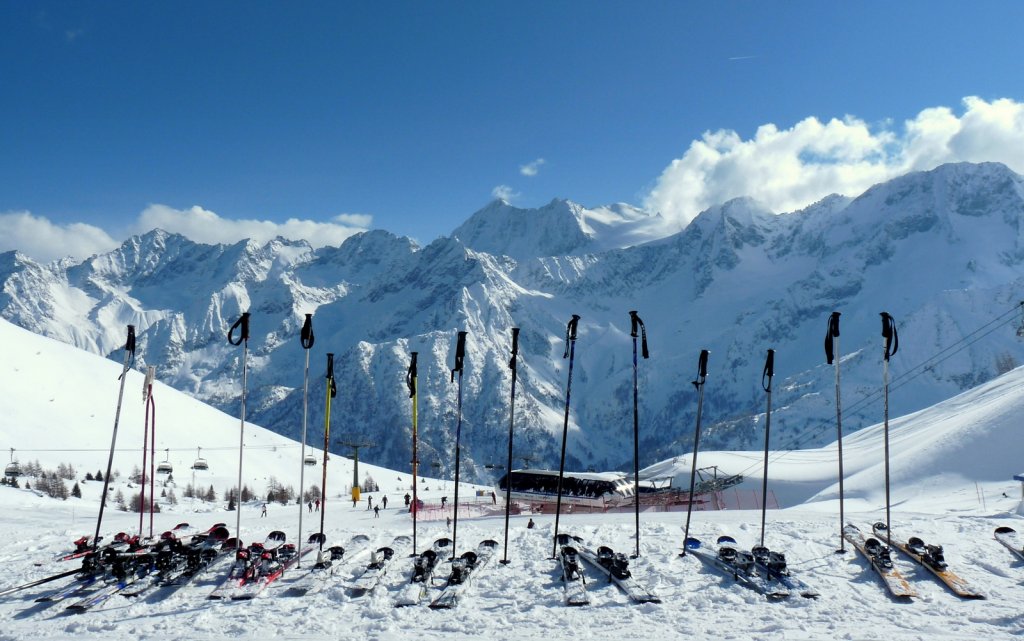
<point>952,466</point>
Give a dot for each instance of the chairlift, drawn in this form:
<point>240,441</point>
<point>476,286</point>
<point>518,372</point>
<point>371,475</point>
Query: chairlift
<point>165,467</point>
<point>12,469</point>
<point>200,463</point>
<point>309,459</point>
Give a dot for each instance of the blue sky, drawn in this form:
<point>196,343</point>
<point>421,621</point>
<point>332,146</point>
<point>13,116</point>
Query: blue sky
<point>410,116</point>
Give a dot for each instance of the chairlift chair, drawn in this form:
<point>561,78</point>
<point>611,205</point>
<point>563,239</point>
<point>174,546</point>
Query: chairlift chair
<point>165,467</point>
<point>12,469</point>
<point>200,463</point>
<point>309,459</point>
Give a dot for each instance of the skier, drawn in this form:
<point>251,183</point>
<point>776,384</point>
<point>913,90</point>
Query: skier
<point>407,499</point>
<point>310,506</point>
<point>385,501</point>
<point>369,502</point>
<point>318,505</point>
<point>529,524</point>
<point>264,513</point>
<point>444,499</point>
<point>494,497</point>
<point>376,511</point>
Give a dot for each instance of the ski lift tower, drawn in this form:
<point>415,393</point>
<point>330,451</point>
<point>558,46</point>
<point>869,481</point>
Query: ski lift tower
<point>355,444</point>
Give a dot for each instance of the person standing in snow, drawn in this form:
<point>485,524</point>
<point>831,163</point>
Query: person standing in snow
<point>264,513</point>
<point>369,502</point>
<point>318,505</point>
<point>384,501</point>
<point>376,511</point>
<point>310,506</point>
<point>407,499</point>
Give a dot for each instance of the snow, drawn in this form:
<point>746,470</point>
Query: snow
<point>953,468</point>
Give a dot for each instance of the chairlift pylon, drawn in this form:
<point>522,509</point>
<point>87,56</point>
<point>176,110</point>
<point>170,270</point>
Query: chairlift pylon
<point>1020,328</point>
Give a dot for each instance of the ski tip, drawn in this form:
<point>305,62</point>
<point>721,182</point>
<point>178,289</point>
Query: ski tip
<point>1005,529</point>
<point>726,539</point>
<point>691,543</point>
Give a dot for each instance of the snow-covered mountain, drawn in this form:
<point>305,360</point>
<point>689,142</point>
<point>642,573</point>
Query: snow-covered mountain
<point>941,250</point>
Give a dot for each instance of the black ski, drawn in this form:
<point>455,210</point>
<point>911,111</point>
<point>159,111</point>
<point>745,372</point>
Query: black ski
<point>464,569</point>
<point>772,565</point>
<point>616,566</point>
<point>738,564</point>
<point>574,582</point>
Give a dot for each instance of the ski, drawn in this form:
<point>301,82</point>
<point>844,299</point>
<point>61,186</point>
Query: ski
<point>1011,540</point>
<point>273,568</point>
<point>124,572</point>
<point>932,559</point>
<point>248,565</point>
<point>738,564</point>
<point>574,582</point>
<point>94,567</point>
<point>380,559</point>
<point>198,558</point>
<point>464,569</point>
<point>326,565</point>
<point>32,584</point>
<point>423,568</point>
<point>616,566</point>
<point>879,558</point>
<point>772,565</point>
<point>174,560</point>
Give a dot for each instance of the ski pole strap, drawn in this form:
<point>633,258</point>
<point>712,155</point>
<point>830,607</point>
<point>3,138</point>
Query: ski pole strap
<point>148,383</point>
<point>702,368</point>
<point>830,333</point>
<point>892,339</point>
<point>307,336</point>
<point>769,370</point>
<point>460,354</point>
<point>634,322</point>
<point>129,347</point>
<point>241,324</point>
<point>330,375</point>
<point>410,375</point>
<point>515,348</point>
<point>570,333</point>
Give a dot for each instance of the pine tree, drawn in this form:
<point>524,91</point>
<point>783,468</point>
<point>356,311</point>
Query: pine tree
<point>99,475</point>
<point>76,491</point>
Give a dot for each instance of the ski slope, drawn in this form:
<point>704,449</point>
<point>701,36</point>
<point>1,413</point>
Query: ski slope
<point>952,465</point>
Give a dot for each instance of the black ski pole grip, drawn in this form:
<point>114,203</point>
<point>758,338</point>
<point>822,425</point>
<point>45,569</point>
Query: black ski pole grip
<point>830,333</point>
<point>570,333</point>
<point>892,339</point>
<point>769,370</point>
<point>702,365</point>
<point>635,321</point>
<point>410,375</point>
<point>307,336</point>
<point>515,348</point>
<point>129,344</point>
<point>242,324</point>
<point>460,353</point>
<point>330,375</point>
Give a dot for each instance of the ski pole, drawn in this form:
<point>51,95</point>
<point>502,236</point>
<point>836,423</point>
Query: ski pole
<point>570,353</point>
<point>769,372</point>
<point>702,374</point>
<point>460,354</point>
<point>832,356</point>
<point>332,391</point>
<point>242,324</point>
<point>129,356</point>
<point>306,338</point>
<point>511,422</point>
<point>411,376</point>
<point>890,343</point>
<point>149,408</point>
<point>635,322</point>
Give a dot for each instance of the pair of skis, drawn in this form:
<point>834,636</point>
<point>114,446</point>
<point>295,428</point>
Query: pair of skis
<point>380,560</point>
<point>251,564</point>
<point>756,572</point>
<point>615,566</point>
<point>464,568</point>
<point>930,557</point>
<point>327,564</point>
<point>424,567</point>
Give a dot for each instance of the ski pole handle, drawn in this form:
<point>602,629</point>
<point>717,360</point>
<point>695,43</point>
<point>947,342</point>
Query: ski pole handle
<point>410,375</point>
<point>831,333</point>
<point>242,324</point>
<point>570,333</point>
<point>307,336</point>
<point>515,348</point>
<point>129,344</point>
<point>460,354</point>
<point>635,321</point>
<point>769,370</point>
<point>889,334</point>
<point>330,375</point>
<point>702,368</point>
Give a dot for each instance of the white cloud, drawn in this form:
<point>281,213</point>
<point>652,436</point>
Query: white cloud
<point>531,168</point>
<point>44,241</point>
<point>204,226</point>
<point>791,168</point>
<point>504,192</point>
